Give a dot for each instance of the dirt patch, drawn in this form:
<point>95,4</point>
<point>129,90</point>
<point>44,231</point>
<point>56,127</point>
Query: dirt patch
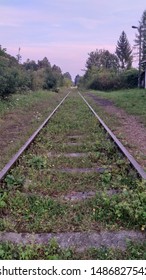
<point>82,170</point>
<point>80,241</point>
<point>78,196</point>
<point>101,101</point>
<point>68,155</point>
<point>130,131</point>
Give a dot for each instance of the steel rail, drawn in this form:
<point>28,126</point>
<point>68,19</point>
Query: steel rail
<point>120,146</point>
<point>14,159</point>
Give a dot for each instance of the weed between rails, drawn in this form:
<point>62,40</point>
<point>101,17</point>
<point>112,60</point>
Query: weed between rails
<point>30,194</point>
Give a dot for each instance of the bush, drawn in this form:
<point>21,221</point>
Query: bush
<point>110,80</point>
<point>129,78</point>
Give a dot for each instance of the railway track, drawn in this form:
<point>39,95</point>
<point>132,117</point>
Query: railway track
<point>70,182</point>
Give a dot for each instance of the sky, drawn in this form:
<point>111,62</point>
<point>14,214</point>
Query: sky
<point>66,31</point>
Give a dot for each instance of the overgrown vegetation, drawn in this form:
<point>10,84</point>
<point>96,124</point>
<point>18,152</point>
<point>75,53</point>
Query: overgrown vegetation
<point>113,71</point>
<point>29,76</point>
<point>20,115</point>
<point>106,79</point>
<point>52,251</point>
<point>34,195</point>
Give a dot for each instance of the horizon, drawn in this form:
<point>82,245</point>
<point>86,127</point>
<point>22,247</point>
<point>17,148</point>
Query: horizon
<point>66,31</point>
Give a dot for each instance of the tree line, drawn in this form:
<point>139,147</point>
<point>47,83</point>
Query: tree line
<point>31,75</point>
<point>108,71</point>
<point>104,70</point>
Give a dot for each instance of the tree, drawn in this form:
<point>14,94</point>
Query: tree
<point>67,79</point>
<point>17,77</point>
<point>30,65</point>
<point>143,24</point>
<point>140,40</point>
<point>124,52</point>
<point>77,79</point>
<point>102,59</point>
<point>2,51</point>
<point>67,76</point>
<point>57,74</point>
<point>44,63</point>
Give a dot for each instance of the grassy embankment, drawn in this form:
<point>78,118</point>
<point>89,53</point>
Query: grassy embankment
<point>133,101</point>
<point>124,112</point>
<point>20,115</point>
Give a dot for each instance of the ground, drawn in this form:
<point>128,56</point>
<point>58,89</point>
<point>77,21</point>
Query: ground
<point>47,195</point>
<point>17,125</point>
<point>128,128</point>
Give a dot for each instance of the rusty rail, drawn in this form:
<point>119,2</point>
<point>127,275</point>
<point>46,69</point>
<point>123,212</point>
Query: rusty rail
<point>141,173</point>
<point>14,159</point>
<point>120,146</point>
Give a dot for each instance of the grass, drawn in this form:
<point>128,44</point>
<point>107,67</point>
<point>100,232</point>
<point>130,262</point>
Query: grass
<point>38,213</point>
<point>21,101</point>
<point>20,115</point>
<point>32,193</point>
<point>133,101</point>
<point>52,251</point>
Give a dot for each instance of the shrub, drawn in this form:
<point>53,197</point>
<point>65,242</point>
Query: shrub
<point>110,80</point>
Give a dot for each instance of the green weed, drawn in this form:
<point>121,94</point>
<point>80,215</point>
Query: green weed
<point>12,181</point>
<point>37,162</point>
<point>40,206</point>
<point>52,251</point>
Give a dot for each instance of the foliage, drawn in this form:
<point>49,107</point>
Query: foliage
<point>30,65</point>
<point>129,78</point>
<point>103,71</point>
<point>109,80</point>
<point>140,38</point>
<point>102,59</point>
<point>67,79</point>
<point>77,80</point>
<point>13,78</point>
<point>124,52</point>
<point>107,71</point>
<point>67,76</point>
<point>31,75</point>
<point>143,23</point>
<point>67,82</point>
<point>50,80</point>
<point>37,78</point>
<point>101,80</point>
<point>37,162</point>
<point>12,181</point>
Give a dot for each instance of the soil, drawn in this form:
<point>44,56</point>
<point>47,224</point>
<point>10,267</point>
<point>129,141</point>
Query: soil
<point>16,126</point>
<point>131,129</point>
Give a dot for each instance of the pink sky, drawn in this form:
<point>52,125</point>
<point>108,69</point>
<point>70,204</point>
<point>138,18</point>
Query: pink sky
<point>65,31</point>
